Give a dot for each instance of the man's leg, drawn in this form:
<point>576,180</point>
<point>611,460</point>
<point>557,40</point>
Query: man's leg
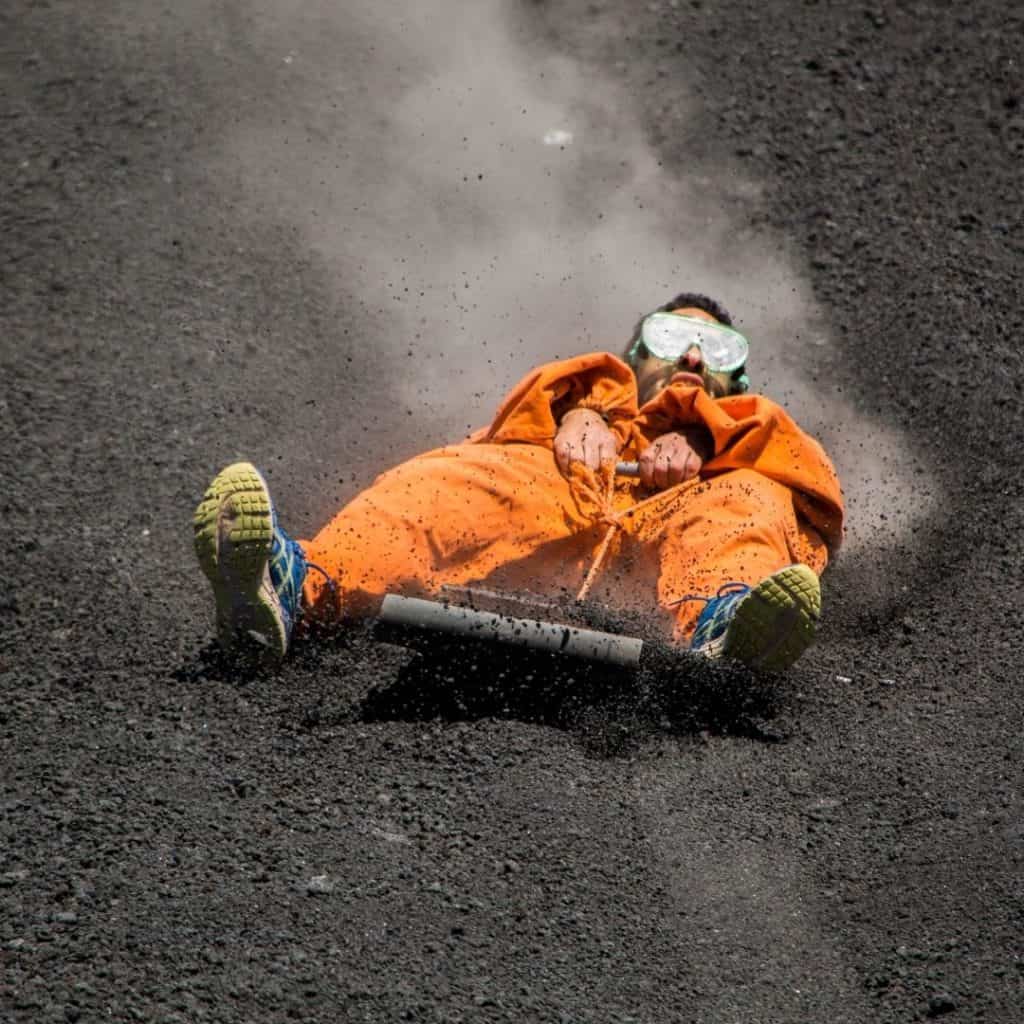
<point>500,513</point>
<point>458,515</point>
<point>740,572</point>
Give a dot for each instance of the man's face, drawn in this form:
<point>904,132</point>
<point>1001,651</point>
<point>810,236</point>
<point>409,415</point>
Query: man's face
<point>653,375</point>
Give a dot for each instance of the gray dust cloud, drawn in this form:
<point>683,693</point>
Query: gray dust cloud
<point>491,208</point>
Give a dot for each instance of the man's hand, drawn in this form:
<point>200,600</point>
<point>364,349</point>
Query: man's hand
<point>583,436</point>
<point>667,461</point>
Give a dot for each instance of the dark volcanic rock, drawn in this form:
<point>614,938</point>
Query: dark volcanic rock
<point>844,844</point>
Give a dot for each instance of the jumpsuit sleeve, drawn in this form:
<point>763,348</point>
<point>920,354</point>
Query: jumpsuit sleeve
<point>753,432</point>
<point>532,410</point>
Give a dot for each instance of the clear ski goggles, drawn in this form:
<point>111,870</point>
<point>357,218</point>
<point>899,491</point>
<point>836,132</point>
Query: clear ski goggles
<point>671,335</point>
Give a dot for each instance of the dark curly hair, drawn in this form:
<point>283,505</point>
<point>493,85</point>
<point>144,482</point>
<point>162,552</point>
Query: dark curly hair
<point>684,300</point>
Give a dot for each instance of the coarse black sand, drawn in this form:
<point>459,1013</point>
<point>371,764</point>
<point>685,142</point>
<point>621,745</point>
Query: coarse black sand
<point>179,845</point>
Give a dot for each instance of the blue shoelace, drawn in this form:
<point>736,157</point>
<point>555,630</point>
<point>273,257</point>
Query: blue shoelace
<point>725,590</point>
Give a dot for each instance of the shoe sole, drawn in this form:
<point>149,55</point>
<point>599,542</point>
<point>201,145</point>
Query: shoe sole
<point>777,621</point>
<point>233,532</point>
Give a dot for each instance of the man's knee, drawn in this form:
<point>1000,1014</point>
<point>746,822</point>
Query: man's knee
<point>749,488</point>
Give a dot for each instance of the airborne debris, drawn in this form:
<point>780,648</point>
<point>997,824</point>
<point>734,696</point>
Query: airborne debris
<point>319,885</point>
<point>558,137</point>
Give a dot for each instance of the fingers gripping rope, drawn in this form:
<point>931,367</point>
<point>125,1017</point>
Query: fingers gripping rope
<point>614,519</point>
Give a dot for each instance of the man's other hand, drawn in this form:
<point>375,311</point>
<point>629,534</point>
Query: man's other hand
<point>667,461</point>
<point>583,436</point>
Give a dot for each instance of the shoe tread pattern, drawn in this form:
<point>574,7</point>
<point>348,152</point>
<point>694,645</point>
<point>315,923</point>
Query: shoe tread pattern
<point>777,621</point>
<point>233,532</point>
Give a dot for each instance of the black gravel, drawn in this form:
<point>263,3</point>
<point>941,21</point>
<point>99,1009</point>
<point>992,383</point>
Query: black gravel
<point>353,838</point>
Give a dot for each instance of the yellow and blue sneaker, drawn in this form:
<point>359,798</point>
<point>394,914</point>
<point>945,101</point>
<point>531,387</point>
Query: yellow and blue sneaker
<point>767,626</point>
<point>255,568</point>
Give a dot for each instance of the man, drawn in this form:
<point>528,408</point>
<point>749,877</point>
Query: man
<point>721,536</point>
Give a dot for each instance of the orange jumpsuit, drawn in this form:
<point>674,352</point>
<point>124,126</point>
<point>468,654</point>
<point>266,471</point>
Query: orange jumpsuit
<point>495,510</point>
